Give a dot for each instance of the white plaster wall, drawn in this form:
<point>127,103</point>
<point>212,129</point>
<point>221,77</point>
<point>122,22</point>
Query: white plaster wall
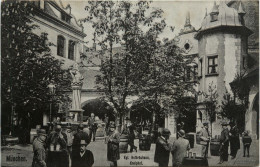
<point>53,32</point>
<point>211,44</point>
<point>231,61</point>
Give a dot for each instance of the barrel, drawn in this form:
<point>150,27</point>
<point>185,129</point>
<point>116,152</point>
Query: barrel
<point>214,147</point>
<point>145,142</point>
<point>123,145</point>
<point>10,140</point>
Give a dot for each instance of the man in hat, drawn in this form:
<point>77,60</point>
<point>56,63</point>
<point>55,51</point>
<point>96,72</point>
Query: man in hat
<point>129,130</point>
<point>163,148</point>
<point>92,126</point>
<point>80,135</point>
<point>113,141</point>
<point>39,153</point>
<point>234,139</point>
<point>179,149</point>
<point>83,158</point>
<point>224,142</point>
<point>204,139</point>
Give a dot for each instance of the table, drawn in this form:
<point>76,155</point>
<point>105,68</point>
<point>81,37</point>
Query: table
<point>198,161</point>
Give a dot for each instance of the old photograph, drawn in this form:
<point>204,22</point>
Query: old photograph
<point>129,83</point>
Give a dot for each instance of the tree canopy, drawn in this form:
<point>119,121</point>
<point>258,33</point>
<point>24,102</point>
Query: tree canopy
<point>27,65</point>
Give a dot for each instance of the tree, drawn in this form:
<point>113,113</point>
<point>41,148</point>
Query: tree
<point>122,23</point>
<point>211,103</point>
<point>232,111</point>
<point>27,64</point>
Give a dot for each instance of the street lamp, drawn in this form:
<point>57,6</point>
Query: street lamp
<point>52,89</point>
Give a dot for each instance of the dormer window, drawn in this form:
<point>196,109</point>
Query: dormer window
<point>65,17</point>
<point>213,17</point>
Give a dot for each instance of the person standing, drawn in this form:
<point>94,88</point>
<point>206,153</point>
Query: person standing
<point>234,140</point>
<point>70,137</point>
<point>113,141</point>
<point>80,135</point>
<point>39,153</point>
<point>224,143</point>
<point>204,139</point>
<point>83,158</point>
<point>92,126</point>
<point>131,134</point>
<point>58,157</point>
<point>106,121</point>
<point>179,149</point>
<point>162,149</point>
<point>246,139</point>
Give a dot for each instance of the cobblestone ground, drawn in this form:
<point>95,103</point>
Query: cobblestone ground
<point>99,150</point>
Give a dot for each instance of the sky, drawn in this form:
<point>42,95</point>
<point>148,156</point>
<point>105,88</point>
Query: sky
<point>174,13</point>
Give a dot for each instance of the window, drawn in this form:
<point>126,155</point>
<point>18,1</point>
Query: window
<point>195,73</point>
<point>60,46</point>
<point>65,17</point>
<point>71,50</point>
<point>213,65</point>
<point>191,73</point>
<point>201,67</point>
<point>188,73</point>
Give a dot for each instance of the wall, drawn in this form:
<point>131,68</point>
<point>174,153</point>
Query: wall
<point>53,31</point>
<point>228,48</point>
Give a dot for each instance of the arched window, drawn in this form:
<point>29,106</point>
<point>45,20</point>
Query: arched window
<point>60,46</point>
<point>71,50</point>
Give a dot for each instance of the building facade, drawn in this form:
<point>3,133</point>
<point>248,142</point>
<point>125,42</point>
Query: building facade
<point>225,45</point>
<point>63,30</point>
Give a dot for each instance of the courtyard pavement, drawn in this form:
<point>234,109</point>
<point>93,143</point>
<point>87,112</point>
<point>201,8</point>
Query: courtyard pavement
<point>141,158</point>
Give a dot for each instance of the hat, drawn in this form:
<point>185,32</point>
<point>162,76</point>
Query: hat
<point>127,119</point>
<point>112,124</point>
<point>81,126</point>
<point>83,142</point>
<point>181,133</point>
<point>58,126</point>
<point>42,132</point>
<point>166,132</point>
<point>205,123</point>
<point>224,123</point>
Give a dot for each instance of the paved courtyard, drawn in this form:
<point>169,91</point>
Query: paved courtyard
<point>141,158</point>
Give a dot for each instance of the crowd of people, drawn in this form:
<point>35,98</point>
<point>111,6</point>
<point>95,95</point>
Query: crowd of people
<point>61,148</point>
<point>181,146</point>
<point>228,137</point>
<point>66,148</point>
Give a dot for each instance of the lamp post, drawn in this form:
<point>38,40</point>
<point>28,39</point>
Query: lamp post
<point>52,89</point>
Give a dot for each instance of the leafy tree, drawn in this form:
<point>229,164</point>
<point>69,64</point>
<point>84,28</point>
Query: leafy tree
<point>122,23</point>
<point>27,66</point>
<point>211,103</point>
<point>240,88</point>
<point>232,111</point>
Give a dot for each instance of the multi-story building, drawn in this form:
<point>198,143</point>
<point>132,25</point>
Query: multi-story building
<point>225,45</point>
<point>63,31</point>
